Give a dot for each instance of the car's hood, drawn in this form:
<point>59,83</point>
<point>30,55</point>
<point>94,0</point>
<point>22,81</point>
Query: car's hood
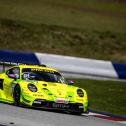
<point>57,89</point>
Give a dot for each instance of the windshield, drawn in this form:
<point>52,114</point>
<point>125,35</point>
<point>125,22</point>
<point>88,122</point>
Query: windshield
<point>42,75</point>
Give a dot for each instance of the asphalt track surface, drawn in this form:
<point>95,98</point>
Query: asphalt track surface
<point>20,116</point>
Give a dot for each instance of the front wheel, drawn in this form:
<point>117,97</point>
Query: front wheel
<point>16,95</point>
<point>76,113</point>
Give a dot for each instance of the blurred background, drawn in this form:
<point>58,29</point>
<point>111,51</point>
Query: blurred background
<point>83,28</point>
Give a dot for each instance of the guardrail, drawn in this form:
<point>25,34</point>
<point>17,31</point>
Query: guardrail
<point>79,67</point>
<point>69,66</point>
<point>83,67</point>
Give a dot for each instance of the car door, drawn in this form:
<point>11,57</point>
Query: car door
<point>9,81</point>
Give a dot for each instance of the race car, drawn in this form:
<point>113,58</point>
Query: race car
<point>41,87</point>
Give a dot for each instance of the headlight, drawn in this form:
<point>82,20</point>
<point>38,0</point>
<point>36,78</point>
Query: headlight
<point>32,87</point>
<point>80,92</point>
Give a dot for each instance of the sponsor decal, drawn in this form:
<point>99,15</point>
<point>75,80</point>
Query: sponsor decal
<point>61,100</point>
<point>43,70</point>
<point>59,105</point>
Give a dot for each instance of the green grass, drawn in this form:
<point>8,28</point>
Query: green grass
<point>79,14</point>
<point>83,28</point>
<point>23,36</point>
<point>105,96</point>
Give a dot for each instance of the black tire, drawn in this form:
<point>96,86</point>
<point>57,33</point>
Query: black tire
<point>76,113</point>
<point>16,95</point>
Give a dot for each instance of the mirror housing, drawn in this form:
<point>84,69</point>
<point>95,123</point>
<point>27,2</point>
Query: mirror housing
<point>70,82</point>
<point>12,76</point>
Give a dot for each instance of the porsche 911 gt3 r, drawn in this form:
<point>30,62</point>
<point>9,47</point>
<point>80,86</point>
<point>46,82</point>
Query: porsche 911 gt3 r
<point>41,87</point>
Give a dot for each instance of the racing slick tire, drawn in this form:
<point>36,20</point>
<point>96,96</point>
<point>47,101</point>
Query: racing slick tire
<point>16,95</point>
<point>76,113</point>
<point>80,112</point>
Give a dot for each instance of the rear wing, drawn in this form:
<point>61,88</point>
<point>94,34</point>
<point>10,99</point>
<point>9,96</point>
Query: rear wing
<point>12,58</point>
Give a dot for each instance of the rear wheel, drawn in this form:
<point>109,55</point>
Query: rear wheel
<point>16,95</point>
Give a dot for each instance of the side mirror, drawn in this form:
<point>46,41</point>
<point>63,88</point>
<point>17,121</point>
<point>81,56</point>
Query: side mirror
<point>70,82</point>
<point>12,76</point>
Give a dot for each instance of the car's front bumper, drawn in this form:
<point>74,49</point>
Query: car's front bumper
<point>72,107</point>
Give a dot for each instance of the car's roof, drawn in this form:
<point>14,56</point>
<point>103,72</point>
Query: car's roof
<point>37,67</point>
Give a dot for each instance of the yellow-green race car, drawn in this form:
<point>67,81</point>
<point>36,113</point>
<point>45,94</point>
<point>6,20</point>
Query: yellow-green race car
<point>41,87</point>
